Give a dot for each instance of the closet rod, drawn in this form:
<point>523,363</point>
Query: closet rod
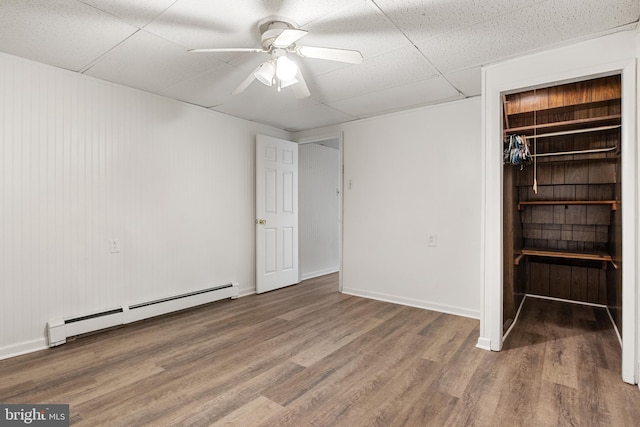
<point>571,132</point>
<point>564,153</point>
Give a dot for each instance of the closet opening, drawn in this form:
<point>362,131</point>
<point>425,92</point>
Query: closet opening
<point>562,225</point>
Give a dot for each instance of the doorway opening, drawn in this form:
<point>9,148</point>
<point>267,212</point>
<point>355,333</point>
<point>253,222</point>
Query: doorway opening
<point>562,223</point>
<point>320,201</point>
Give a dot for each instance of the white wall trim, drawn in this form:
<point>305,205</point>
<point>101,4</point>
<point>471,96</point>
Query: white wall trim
<point>484,343</point>
<point>23,348</point>
<point>319,273</point>
<point>515,319</point>
<point>606,55</point>
<point>615,327</point>
<point>411,302</point>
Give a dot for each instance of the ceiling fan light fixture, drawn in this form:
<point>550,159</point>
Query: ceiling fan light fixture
<point>265,73</point>
<point>286,69</point>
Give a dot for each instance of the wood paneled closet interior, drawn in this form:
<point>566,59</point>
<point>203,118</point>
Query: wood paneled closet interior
<point>562,236</point>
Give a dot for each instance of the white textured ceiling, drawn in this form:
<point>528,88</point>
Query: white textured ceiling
<point>416,52</point>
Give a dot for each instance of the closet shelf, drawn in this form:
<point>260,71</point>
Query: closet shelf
<point>514,108</point>
<point>550,253</point>
<point>613,119</point>
<point>612,203</point>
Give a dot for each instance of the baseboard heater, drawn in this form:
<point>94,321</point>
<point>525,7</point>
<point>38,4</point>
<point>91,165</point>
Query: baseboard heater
<point>59,330</point>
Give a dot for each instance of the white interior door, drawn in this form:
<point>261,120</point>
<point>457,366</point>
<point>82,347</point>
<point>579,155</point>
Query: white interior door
<point>276,213</point>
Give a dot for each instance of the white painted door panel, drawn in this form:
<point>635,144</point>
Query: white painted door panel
<point>276,213</point>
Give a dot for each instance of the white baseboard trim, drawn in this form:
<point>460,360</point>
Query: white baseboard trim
<point>23,348</point>
<point>247,293</point>
<point>411,302</point>
<point>484,343</point>
<point>515,319</point>
<point>615,327</point>
<point>318,273</point>
<point>570,301</point>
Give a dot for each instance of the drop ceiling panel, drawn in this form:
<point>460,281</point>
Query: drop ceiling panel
<point>468,81</point>
<point>388,70</point>
<point>398,98</point>
<point>138,12</point>
<point>425,19</point>
<point>63,33</point>
<point>313,116</point>
<point>361,26</point>
<point>531,28</point>
<point>259,101</point>
<point>148,62</point>
<point>407,44</point>
<point>215,86</point>
<point>305,117</point>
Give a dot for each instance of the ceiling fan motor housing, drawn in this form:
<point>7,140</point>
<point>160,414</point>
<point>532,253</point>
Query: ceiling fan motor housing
<point>271,27</point>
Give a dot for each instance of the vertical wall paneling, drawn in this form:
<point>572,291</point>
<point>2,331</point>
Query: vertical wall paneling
<point>319,169</point>
<point>568,228</point>
<point>83,162</point>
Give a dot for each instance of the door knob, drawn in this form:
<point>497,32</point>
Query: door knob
<point>261,221</point>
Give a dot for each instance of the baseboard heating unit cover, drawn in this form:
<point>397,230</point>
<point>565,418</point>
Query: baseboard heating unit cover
<point>59,330</point>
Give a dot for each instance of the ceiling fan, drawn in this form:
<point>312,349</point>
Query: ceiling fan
<point>278,38</point>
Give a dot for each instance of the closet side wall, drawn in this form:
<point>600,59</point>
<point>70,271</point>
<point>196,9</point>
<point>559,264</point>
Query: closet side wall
<point>614,276</point>
<point>513,275</point>
<point>576,227</point>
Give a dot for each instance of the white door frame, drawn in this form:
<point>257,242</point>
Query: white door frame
<point>604,56</point>
<point>339,137</point>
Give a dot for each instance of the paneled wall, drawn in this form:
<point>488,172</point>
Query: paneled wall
<point>582,178</point>
<point>319,181</point>
<point>83,162</point>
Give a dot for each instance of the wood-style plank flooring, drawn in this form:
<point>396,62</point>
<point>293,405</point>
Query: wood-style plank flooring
<point>310,356</point>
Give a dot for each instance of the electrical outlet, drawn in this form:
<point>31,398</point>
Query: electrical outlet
<point>114,244</point>
<point>432,240</point>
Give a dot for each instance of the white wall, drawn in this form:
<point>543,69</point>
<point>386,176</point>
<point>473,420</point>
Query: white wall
<point>319,204</point>
<point>84,161</point>
<point>413,174</point>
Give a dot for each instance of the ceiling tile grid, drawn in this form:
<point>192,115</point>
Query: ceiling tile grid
<point>532,28</point>
<point>215,86</point>
<point>397,98</point>
<point>138,13</point>
<point>391,69</point>
<point>152,63</point>
<point>63,33</point>
<point>416,52</point>
<point>261,101</point>
<point>421,20</point>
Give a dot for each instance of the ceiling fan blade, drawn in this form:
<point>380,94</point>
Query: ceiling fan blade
<point>300,89</point>
<point>288,37</point>
<point>246,82</point>
<point>226,49</point>
<point>287,83</point>
<point>331,54</point>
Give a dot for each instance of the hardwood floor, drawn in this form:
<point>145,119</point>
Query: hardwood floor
<point>309,356</point>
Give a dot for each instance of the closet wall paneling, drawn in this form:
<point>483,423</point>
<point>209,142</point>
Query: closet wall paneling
<point>568,228</point>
